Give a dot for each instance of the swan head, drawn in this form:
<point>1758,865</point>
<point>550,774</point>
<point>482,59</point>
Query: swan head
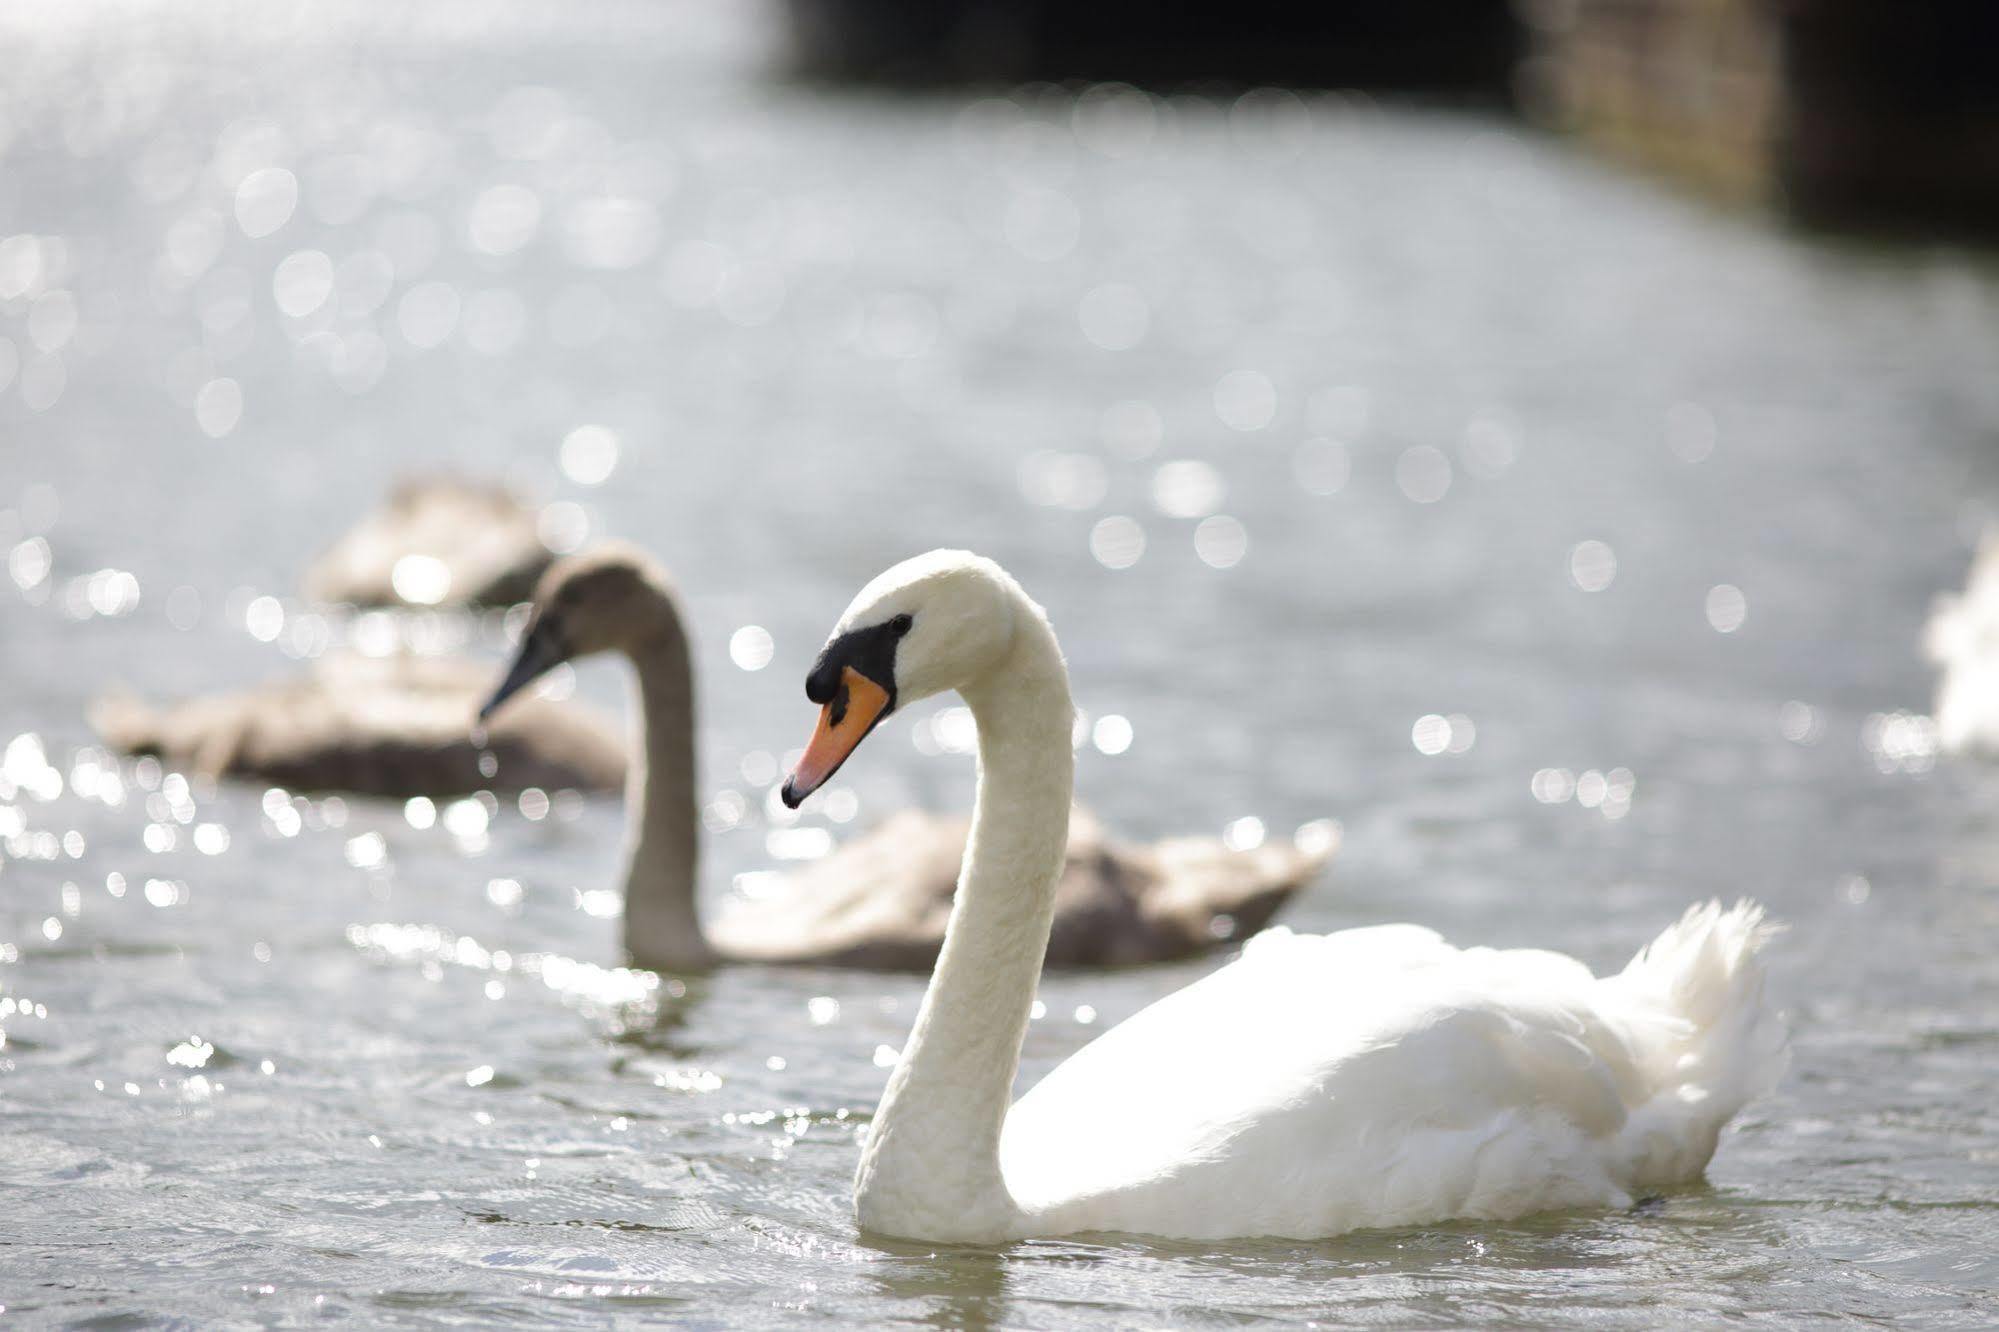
<point>611,598</point>
<point>932,623</point>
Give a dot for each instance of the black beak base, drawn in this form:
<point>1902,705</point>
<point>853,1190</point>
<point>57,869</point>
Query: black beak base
<point>870,654</point>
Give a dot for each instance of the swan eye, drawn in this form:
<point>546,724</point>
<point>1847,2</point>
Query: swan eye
<point>902,624</point>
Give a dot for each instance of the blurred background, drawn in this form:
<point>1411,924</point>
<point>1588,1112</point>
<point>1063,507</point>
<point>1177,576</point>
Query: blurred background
<point>1531,436</point>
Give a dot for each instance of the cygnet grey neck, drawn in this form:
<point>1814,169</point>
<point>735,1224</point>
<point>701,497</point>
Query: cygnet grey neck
<point>662,925</point>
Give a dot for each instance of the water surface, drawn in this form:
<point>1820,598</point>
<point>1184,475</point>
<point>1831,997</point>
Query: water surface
<point>1568,542</point>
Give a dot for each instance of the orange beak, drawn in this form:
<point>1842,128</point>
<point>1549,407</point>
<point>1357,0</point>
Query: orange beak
<point>843,724</point>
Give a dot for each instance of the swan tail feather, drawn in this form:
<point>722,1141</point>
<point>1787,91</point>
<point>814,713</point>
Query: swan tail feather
<point>1718,1042</point>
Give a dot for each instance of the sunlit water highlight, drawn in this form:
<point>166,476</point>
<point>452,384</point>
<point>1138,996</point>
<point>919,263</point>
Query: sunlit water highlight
<point>1566,542</point>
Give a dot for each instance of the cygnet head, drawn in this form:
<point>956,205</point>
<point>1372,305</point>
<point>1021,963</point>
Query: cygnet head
<point>612,598</point>
<point>936,622</point>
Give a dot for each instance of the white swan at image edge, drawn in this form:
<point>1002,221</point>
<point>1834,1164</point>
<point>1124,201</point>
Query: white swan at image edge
<point>1962,640</point>
<point>1317,1084</point>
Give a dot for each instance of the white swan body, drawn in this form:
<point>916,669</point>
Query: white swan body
<point>1962,639</point>
<point>1417,1082</point>
<point>1372,1077</point>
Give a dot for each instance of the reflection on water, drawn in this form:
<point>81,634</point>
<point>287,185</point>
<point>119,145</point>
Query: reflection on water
<point>1566,544</point>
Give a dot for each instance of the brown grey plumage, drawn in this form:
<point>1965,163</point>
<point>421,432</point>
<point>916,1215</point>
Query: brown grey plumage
<point>484,537</point>
<point>881,900</point>
<point>393,726</point>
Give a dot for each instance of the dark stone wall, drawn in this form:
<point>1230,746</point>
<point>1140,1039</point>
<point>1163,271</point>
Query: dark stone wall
<point>1455,46</point>
<point>1866,112</point>
<point>1891,111</point>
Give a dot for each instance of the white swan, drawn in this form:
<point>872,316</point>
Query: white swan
<point>1372,1077</point>
<point>1962,639</point>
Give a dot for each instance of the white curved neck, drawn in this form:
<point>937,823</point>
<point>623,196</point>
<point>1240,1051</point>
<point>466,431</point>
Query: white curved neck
<point>931,1166</point>
<point>662,926</point>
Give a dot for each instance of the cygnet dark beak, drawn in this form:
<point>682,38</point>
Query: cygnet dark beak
<point>541,650</point>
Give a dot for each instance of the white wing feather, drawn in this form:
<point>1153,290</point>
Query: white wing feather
<point>1381,1077</point>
